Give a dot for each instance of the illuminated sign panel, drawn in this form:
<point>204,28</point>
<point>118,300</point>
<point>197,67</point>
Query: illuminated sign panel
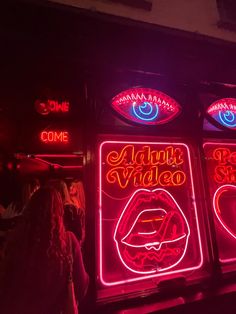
<point>223,111</point>
<point>145,106</point>
<point>50,105</point>
<point>221,170</point>
<point>148,223</point>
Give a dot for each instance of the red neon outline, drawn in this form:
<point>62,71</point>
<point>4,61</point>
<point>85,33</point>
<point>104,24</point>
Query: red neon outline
<point>216,196</point>
<point>124,210</point>
<point>133,96</point>
<point>226,260</point>
<point>100,216</point>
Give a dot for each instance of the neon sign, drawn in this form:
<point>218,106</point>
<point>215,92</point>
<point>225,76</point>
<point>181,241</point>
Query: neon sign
<point>54,137</point>
<point>224,203</point>
<point>225,170</point>
<point>50,105</point>
<point>221,173</point>
<point>147,220</point>
<point>140,168</point>
<point>223,111</point>
<point>158,232</point>
<point>145,106</point>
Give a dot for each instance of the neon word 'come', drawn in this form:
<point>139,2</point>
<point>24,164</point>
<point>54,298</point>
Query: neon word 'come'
<point>54,137</point>
<point>140,168</point>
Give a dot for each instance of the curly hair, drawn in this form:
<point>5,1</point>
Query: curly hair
<point>44,222</point>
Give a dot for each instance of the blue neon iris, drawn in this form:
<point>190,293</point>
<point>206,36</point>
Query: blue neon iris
<point>227,118</point>
<point>145,111</point>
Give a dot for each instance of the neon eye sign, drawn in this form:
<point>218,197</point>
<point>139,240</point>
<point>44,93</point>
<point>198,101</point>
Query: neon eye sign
<point>145,106</point>
<point>50,105</point>
<point>141,167</point>
<point>223,111</point>
<point>147,220</point>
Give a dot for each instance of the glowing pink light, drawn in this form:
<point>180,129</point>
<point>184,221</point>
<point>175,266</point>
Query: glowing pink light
<point>218,209</point>
<point>140,276</point>
<point>163,238</point>
<point>145,106</point>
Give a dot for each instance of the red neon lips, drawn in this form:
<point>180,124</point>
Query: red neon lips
<point>224,203</point>
<point>152,232</point>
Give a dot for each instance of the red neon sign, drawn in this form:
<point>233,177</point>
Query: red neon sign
<point>221,173</point>
<point>145,223</point>
<point>223,111</point>
<point>50,105</point>
<point>157,238</point>
<point>140,168</point>
<point>224,203</point>
<point>54,137</point>
<point>145,106</point>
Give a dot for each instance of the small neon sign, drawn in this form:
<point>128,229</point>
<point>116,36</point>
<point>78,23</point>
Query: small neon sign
<point>224,203</point>
<point>221,173</point>
<point>50,105</point>
<point>145,106</point>
<point>223,111</point>
<point>54,137</point>
<point>147,220</point>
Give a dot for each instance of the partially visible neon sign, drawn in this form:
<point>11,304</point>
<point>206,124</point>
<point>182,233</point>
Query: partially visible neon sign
<point>221,174</point>
<point>224,112</point>
<point>140,167</point>
<point>50,105</point>
<point>145,106</point>
<point>54,137</point>
<point>147,218</point>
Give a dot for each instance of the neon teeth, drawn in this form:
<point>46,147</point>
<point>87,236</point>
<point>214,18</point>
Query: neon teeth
<point>158,237</point>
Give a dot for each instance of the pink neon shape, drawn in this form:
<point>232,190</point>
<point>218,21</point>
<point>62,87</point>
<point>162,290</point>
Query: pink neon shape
<point>218,209</point>
<point>147,248</point>
<point>220,144</point>
<point>100,240</point>
<point>145,106</point>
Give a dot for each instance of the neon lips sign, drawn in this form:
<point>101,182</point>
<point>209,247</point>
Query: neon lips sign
<point>157,238</point>
<point>144,213</point>
<point>223,111</point>
<point>145,106</point>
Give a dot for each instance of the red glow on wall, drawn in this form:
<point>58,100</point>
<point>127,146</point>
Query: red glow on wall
<point>145,106</point>
<point>221,173</point>
<point>54,137</point>
<point>149,226</point>
<point>50,105</point>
